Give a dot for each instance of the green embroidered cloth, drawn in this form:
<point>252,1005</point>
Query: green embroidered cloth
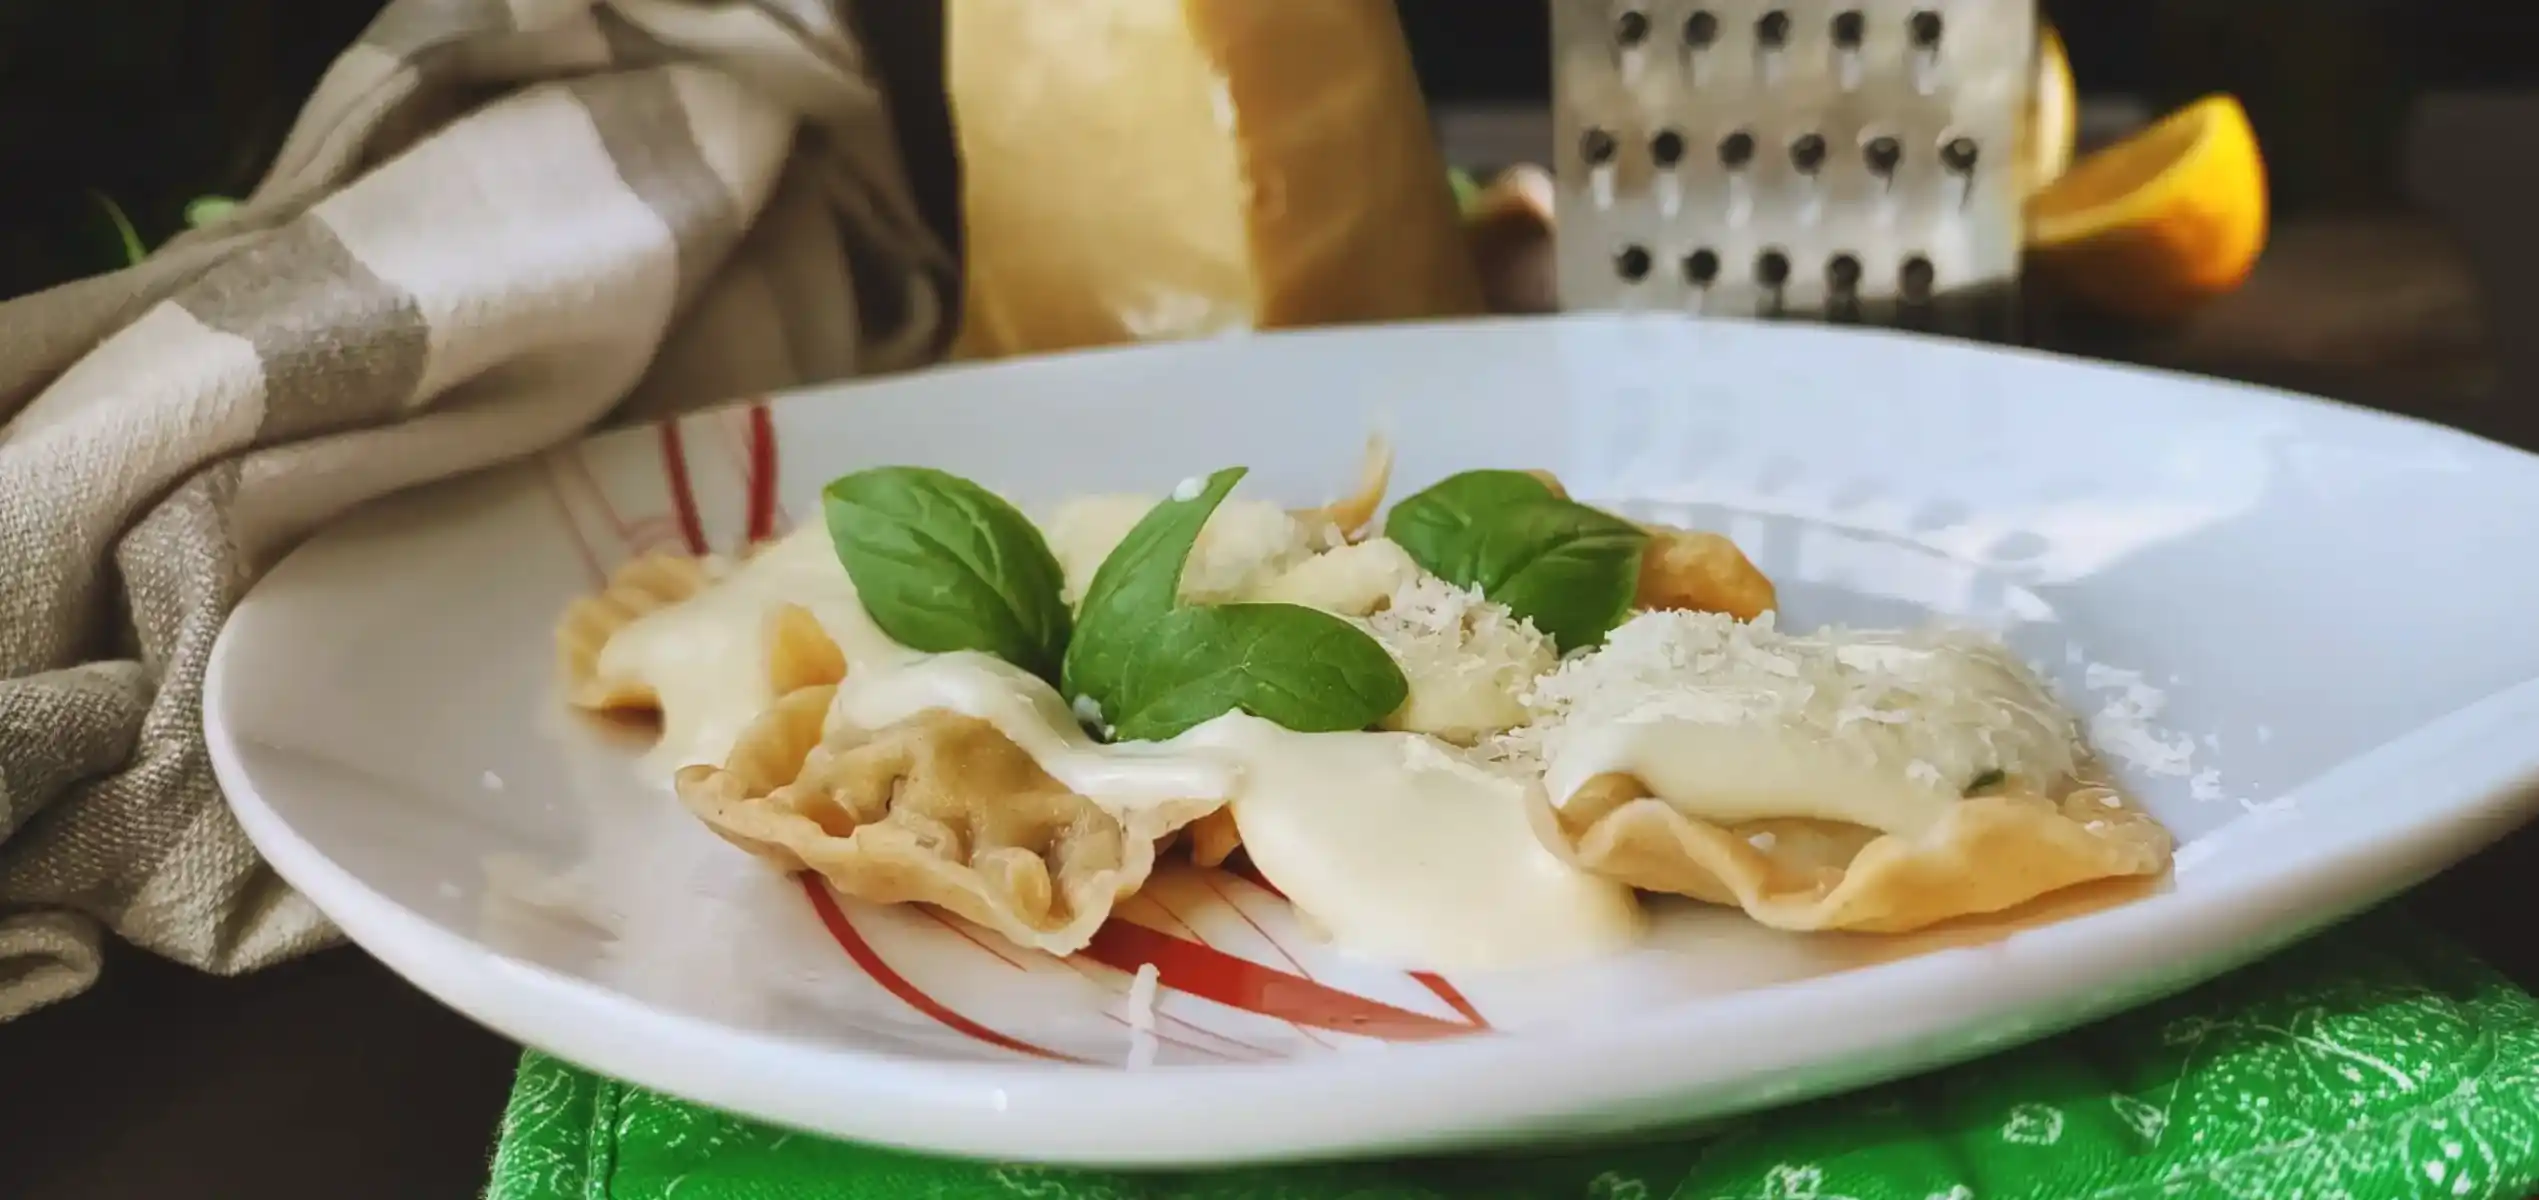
<point>2376,1062</point>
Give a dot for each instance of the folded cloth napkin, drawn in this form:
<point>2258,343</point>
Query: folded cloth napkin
<point>496,223</point>
<point>2379,1062</point>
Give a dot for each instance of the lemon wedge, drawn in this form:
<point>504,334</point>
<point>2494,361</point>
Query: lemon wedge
<point>2155,225</point>
<point>2054,122</point>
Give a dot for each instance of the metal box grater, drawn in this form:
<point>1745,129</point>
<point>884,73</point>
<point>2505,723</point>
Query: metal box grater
<point>1849,160</point>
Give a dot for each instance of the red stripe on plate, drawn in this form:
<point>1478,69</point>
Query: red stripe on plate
<point>674,464</point>
<point>1242,868</point>
<point>565,512</point>
<point>1212,974</point>
<point>761,474</point>
<point>852,941</point>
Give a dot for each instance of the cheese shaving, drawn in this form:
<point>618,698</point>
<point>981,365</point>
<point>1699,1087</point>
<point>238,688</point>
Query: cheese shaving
<point>1141,1016</point>
<point>1467,659</point>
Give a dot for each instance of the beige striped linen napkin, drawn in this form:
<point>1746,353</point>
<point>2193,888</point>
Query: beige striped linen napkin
<point>496,223</point>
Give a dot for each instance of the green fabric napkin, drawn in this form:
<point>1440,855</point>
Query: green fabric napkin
<point>2377,1062</point>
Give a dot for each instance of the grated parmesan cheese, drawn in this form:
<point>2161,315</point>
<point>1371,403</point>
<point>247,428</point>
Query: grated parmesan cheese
<point>1738,719</point>
<point>1352,581</point>
<point>1244,544</point>
<point>1467,660</point>
<point>2125,728</point>
<point>1941,706</point>
<point>2206,785</point>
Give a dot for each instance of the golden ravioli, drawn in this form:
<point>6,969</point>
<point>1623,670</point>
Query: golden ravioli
<point>1989,852</point>
<point>1213,838</point>
<point>1691,569</point>
<point>1354,513</point>
<point>736,639</point>
<point>938,809</point>
<point>1704,572</point>
<point>635,590</point>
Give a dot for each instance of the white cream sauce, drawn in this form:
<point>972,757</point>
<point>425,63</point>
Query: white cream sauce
<point>1395,844</point>
<point>1026,709</point>
<point>708,658</point>
<point>1405,852</point>
<point>1730,721</point>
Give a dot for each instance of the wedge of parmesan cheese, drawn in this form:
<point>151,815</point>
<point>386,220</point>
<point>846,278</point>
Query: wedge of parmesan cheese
<point>1140,169</point>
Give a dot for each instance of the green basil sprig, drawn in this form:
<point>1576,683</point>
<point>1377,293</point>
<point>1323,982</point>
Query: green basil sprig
<point>943,564</point>
<point>1570,569</point>
<point>1153,667</point>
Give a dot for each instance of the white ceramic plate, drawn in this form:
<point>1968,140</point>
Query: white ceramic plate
<point>2327,613</point>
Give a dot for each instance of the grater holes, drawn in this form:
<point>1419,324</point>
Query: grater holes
<point>1666,149</point>
<point>1701,267</point>
<point>1958,155</point>
<point>1772,30</point>
<point>1925,27</point>
<point>1632,264</point>
<point>1701,29</point>
<point>1914,279</point>
<point>1882,153</point>
<point>1772,268</point>
<point>1736,150</point>
<point>1842,289</point>
<point>1807,152</point>
<point>1630,29</point>
<point>1849,27</point>
<point>1597,147</point>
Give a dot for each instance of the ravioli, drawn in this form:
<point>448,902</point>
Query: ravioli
<point>938,808</point>
<point>1876,782</point>
<point>707,645</point>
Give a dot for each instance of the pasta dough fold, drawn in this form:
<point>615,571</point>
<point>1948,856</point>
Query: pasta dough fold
<point>938,809</point>
<point>1987,853</point>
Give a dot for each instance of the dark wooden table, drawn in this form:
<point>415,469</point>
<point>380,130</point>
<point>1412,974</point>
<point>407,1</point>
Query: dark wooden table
<point>331,1078</point>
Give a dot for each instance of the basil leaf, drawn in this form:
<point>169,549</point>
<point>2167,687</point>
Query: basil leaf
<point>1154,667</point>
<point>1295,666</point>
<point>1139,582</point>
<point>1570,569</point>
<point>943,564</point>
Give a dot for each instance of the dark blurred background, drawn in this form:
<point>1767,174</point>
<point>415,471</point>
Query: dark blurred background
<point>123,111</point>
